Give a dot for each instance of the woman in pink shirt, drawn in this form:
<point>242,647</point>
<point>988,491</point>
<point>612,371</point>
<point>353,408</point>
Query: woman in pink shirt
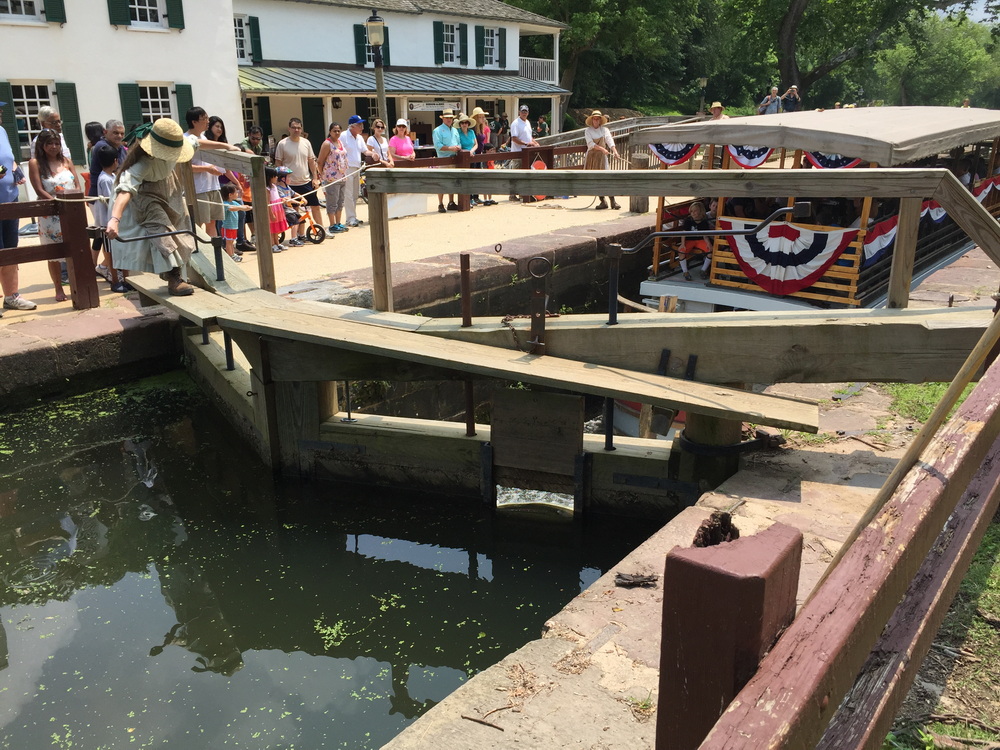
<point>400,145</point>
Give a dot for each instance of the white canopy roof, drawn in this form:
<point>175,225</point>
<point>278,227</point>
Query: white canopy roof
<point>889,136</point>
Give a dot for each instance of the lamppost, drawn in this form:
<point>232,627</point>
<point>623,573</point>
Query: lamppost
<point>376,38</point>
<point>703,82</point>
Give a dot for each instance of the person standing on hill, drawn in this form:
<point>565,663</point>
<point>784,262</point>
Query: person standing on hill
<point>790,100</point>
<point>770,104</point>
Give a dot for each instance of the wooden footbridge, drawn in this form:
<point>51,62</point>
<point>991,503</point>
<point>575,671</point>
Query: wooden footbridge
<point>279,387</point>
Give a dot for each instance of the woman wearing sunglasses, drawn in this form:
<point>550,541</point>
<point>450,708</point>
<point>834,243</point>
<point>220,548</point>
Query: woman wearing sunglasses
<point>379,144</point>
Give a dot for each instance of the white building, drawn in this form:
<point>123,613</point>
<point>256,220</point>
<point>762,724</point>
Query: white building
<point>133,60</point>
<point>263,61</point>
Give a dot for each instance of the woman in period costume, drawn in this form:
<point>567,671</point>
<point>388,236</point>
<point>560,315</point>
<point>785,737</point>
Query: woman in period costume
<point>600,145</point>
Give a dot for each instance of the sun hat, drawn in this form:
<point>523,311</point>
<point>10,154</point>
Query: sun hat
<point>355,120</point>
<point>447,113</point>
<point>597,113</point>
<point>717,104</point>
<point>402,121</point>
<point>523,108</point>
<point>163,139</point>
<point>465,118</point>
<point>479,111</point>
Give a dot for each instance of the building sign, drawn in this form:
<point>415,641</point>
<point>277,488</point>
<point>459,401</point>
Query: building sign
<point>432,106</point>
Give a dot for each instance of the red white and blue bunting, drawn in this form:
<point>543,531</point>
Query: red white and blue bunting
<point>831,161</point>
<point>784,258</point>
<point>750,157</point>
<point>674,153</point>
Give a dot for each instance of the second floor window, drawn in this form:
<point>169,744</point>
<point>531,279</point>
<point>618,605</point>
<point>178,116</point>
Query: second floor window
<point>145,12</point>
<point>450,43</point>
<point>242,28</point>
<point>19,9</point>
<point>489,47</point>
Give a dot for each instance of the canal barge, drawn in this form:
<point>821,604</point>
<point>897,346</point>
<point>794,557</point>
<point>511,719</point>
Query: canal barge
<point>839,257</point>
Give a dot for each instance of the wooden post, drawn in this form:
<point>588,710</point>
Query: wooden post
<point>901,273</point>
<point>723,608</point>
<point>378,217</point>
<point>72,214</point>
<point>638,204</point>
<point>464,199</point>
<point>262,225</point>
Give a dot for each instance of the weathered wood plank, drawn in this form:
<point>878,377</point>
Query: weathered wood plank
<point>850,183</point>
<point>805,347</point>
<point>378,215</point>
<point>802,681</point>
<point>537,431</point>
<point>200,308</point>
<point>901,272</point>
<point>971,215</point>
<point>865,718</point>
<point>546,371</point>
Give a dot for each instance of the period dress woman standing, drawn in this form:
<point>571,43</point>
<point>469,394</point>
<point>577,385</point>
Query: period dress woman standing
<point>600,145</point>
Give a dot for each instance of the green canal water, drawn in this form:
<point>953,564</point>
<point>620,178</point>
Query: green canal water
<point>158,588</point>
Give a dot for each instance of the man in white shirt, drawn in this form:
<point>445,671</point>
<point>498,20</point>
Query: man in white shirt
<point>49,118</point>
<point>521,136</point>
<point>208,200</point>
<point>354,144</point>
<point>296,153</point>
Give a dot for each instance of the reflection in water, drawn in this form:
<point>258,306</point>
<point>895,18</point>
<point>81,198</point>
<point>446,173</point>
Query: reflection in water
<point>156,587</point>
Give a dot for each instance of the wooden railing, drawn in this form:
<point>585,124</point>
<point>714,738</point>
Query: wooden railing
<point>537,69</point>
<point>75,247</point>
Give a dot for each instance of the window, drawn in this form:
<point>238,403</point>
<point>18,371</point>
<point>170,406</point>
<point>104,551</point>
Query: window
<point>243,50</point>
<point>27,99</point>
<point>22,10</point>
<point>248,120</point>
<point>367,107</point>
<point>145,13</point>
<point>154,101</point>
<point>450,43</point>
<point>489,47</point>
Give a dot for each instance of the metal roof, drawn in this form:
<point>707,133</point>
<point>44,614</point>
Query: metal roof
<point>289,80</point>
<point>888,136</point>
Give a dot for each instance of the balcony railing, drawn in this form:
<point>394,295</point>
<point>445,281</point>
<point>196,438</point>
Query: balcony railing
<point>538,70</point>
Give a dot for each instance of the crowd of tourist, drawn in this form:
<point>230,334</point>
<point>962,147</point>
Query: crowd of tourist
<point>131,193</point>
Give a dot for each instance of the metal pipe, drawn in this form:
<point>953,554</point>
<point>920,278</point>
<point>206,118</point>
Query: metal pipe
<point>347,397</point>
<point>609,424</point>
<point>220,272</point>
<point>470,409</point>
<point>614,270</point>
<point>228,341</point>
<point>204,334</point>
<point>466,289</point>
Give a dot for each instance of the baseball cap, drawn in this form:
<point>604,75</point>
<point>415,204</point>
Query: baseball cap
<point>524,108</point>
<point>355,119</point>
<point>3,104</point>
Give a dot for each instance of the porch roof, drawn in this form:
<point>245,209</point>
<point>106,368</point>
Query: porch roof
<point>361,81</point>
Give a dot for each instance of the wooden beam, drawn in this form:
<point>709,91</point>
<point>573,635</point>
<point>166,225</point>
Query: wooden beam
<point>970,215</point>
<point>798,347</point>
<point>865,718</point>
<point>378,217</point>
<point>847,183</point>
<point>901,273</point>
<point>802,681</point>
<point>515,365</point>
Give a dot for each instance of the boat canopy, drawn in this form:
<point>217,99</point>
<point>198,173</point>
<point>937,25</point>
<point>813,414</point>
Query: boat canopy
<point>888,136</point>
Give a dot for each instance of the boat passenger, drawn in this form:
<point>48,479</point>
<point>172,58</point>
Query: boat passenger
<point>697,219</point>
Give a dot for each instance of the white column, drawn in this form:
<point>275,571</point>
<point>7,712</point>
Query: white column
<point>555,125</point>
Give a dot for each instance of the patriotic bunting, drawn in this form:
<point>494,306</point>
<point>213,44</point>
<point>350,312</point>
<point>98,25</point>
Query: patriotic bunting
<point>674,153</point>
<point>750,157</point>
<point>785,258</point>
<point>831,161</point>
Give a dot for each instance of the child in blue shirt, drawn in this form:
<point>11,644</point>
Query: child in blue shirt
<point>231,222</point>
<point>107,159</point>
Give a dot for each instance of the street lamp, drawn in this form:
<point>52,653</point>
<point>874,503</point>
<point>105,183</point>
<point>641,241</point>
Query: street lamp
<point>375,27</point>
<point>703,82</point>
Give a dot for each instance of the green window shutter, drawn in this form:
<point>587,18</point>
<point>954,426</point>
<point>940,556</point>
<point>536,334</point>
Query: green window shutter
<point>502,45</point>
<point>463,43</point>
<point>480,46</point>
<point>128,94</point>
<point>55,11</point>
<point>360,44</point>
<point>385,47</point>
<point>264,116</point>
<point>72,127</point>
<point>9,122</point>
<point>185,100</point>
<point>175,14</point>
<point>118,13</point>
<point>439,42</point>
<point>256,50</point>
<point>312,120</point>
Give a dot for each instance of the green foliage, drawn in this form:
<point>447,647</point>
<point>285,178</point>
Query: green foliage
<point>917,401</point>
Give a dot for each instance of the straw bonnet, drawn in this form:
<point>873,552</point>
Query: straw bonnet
<point>402,121</point>
<point>597,113</point>
<point>164,139</point>
<point>465,118</point>
<point>479,111</point>
<point>447,113</point>
<point>717,104</point>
